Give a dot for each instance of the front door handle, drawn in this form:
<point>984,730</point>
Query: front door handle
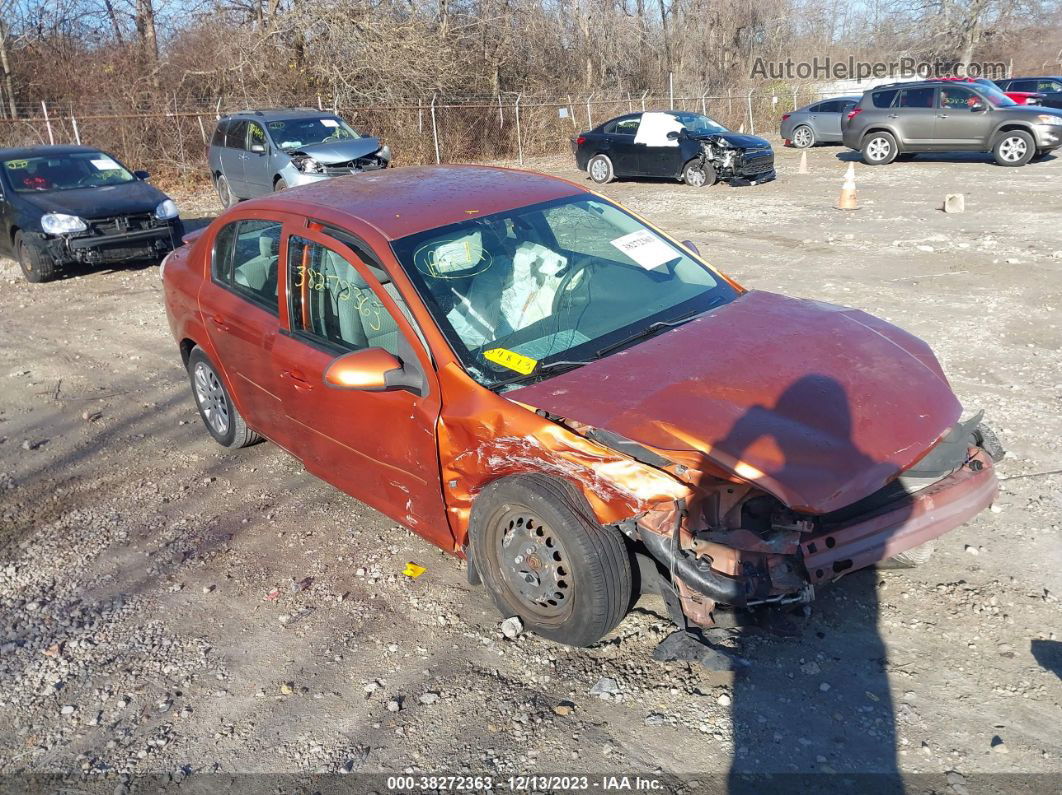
<point>219,321</point>
<point>942,115</point>
<point>298,380</point>
<point>894,116</point>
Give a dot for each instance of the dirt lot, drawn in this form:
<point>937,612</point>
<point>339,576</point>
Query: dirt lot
<point>137,557</point>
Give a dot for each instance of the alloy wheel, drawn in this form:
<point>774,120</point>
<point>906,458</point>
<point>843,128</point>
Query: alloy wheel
<point>534,565</point>
<point>210,395</point>
<point>878,149</point>
<point>695,177</point>
<point>1013,149</point>
<point>802,137</point>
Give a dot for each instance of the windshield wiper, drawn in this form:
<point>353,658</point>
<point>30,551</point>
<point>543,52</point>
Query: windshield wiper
<point>652,329</point>
<point>541,369</point>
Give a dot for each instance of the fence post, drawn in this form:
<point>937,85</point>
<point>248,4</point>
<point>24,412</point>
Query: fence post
<point>729,102</point>
<point>77,133</point>
<point>796,90</point>
<point>704,102</point>
<point>519,136</point>
<point>671,90</point>
<point>501,116</point>
<point>752,124</point>
<point>48,124</point>
<point>202,129</point>
<point>589,118</point>
<point>217,109</point>
<point>644,93</point>
<point>571,113</point>
<point>630,105</point>
<point>435,130</point>
<point>420,116</point>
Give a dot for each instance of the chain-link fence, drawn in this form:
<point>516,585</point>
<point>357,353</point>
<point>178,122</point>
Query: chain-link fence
<point>504,127</point>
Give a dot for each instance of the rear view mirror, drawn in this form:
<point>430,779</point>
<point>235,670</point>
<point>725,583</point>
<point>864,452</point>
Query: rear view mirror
<point>141,174</point>
<point>371,370</point>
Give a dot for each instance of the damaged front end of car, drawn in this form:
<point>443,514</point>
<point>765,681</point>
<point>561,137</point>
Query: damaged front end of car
<point>736,163</point>
<point>335,159</point>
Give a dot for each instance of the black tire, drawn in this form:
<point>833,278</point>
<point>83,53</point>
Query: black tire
<point>37,266</point>
<point>225,194</point>
<point>1013,148</point>
<point>699,174</point>
<point>582,585</point>
<point>916,556</point>
<point>803,137</point>
<point>214,402</point>
<point>600,169</point>
<point>878,148</point>
<point>280,185</point>
<point>988,441</point>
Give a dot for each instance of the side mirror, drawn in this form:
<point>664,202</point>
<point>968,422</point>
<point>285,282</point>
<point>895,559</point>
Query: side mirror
<point>692,247</point>
<point>372,370</point>
<point>141,174</point>
<point>673,135</point>
<point>977,107</point>
<point>258,148</point>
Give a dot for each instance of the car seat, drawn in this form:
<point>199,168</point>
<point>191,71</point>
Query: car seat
<point>258,273</point>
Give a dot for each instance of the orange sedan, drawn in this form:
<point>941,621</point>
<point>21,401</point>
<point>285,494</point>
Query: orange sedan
<point>537,380</point>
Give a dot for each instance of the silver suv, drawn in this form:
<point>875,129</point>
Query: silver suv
<point>903,119</point>
<point>258,152</point>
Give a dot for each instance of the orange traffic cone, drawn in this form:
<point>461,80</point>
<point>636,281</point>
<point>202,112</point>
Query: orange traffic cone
<point>847,200</point>
<point>803,162</point>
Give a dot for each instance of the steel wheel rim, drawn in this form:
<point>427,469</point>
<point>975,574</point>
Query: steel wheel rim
<point>878,149</point>
<point>802,137</point>
<point>210,396</point>
<point>696,177</point>
<point>598,170</point>
<point>533,564</point>
<point>1013,149</point>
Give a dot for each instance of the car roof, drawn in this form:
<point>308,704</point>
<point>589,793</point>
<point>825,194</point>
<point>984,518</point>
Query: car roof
<point>854,98</point>
<point>42,151</point>
<point>275,114</point>
<point>1034,77</point>
<point>403,201</point>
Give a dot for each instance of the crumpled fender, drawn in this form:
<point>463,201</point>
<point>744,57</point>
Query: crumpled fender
<point>484,436</point>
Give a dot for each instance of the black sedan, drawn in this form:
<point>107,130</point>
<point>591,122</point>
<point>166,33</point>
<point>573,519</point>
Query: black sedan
<point>674,144</point>
<point>61,205</point>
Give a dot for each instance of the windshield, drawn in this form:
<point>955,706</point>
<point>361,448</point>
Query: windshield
<point>696,124</point>
<point>65,172</point>
<point>521,293</point>
<point>295,133</point>
<point>993,94</point>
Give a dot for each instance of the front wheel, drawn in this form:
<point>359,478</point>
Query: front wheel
<point>280,185</point>
<point>803,137</point>
<point>1014,148</point>
<point>600,169</point>
<point>879,149</point>
<point>225,194</point>
<point>698,174</point>
<point>543,557</point>
<point>36,265</point>
<point>218,412</point>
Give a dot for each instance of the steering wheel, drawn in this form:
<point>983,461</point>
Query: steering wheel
<point>578,266</point>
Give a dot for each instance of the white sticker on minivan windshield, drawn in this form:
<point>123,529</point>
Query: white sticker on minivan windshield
<point>105,164</point>
<point>645,248</point>
<point>329,122</point>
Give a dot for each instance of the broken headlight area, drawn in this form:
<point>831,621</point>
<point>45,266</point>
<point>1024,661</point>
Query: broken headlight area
<point>733,162</point>
<point>381,158</point>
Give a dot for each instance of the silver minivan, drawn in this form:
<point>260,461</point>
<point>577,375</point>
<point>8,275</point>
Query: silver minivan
<point>254,153</point>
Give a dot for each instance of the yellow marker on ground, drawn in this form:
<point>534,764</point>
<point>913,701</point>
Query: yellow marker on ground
<point>413,570</point>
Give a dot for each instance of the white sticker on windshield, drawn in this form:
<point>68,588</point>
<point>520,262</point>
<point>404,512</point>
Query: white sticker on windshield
<point>645,248</point>
<point>329,122</point>
<point>105,164</point>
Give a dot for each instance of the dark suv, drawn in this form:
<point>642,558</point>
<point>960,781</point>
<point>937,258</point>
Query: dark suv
<point>903,119</point>
<point>1050,87</point>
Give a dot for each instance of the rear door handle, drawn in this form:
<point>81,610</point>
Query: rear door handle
<point>298,380</point>
<point>942,115</point>
<point>894,116</point>
<point>219,321</point>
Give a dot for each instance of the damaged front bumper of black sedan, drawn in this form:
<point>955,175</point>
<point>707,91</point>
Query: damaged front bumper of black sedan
<point>111,240</point>
<point>738,165</point>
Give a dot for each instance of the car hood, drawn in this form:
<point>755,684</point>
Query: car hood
<point>738,140</point>
<point>817,404</point>
<point>339,151</point>
<point>102,202</point>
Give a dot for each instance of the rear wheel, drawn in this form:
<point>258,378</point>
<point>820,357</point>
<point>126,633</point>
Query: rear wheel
<point>219,413</point>
<point>543,557</point>
<point>1014,148</point>
<point>600,169</point>
<point>879,149</point>
<point>225,194</point>
<point>280,185</point>
<point>803,137</point>
<point>36,265</point>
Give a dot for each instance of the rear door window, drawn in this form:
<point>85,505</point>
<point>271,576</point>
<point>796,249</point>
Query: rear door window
<point>884,99</point>
<point>1048,85</point>
<point>628,126</point>
<point>236,137</point>
<point>832,106</point>
<point>218,139</point>
<point>917,97</point>
<point>1022,85</point>
<point>245,260</point>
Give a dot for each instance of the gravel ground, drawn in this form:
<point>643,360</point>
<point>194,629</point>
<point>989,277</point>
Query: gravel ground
<point>167,606</point>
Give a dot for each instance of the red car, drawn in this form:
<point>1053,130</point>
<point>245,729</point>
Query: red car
<point>535,379</point>
<point>1021,97</point>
